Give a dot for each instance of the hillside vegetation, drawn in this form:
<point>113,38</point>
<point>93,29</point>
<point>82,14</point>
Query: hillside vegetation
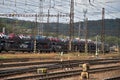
<point>112,27</point>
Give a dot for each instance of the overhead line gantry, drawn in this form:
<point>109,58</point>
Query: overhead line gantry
<point>31,15</point>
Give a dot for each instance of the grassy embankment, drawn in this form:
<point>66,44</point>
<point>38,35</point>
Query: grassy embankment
<point>57,55</point>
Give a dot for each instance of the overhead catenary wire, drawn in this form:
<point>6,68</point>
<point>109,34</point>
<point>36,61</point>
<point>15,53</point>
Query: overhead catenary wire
<point>62,6</point>
<point>19,8</point>
<point>109,6</point>
<point>107,11</point>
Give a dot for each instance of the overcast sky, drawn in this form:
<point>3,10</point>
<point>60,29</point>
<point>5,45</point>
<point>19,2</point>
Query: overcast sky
<point>94,8</point>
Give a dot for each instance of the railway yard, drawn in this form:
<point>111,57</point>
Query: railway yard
<point>60,40</point>
<point>58,67</point>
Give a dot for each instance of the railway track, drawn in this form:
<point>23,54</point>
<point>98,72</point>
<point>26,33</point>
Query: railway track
<point>113,78</point>
<point>63,74</point>
<point>19,62</point>
<point>57,65</point>
<point>24,59</point>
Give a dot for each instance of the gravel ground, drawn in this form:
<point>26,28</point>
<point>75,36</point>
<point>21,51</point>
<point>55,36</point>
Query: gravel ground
<point>96,76</point>
<point>100,75</point>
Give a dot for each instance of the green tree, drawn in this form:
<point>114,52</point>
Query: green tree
<point>112,40</point>
<point>1,26</point>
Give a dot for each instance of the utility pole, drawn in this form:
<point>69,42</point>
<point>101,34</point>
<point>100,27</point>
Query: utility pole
<point>48,22</point>
<point>71,34</point>
<point>118,34</point>
<point>86,31</point>
<point>40,27</point>
<point>35,34</point>
<point>58,25</point>
<point>103,31</point>
<point>79,30</point>
<point>86,36</point>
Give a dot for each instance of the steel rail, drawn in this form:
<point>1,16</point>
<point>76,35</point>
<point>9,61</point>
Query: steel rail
<point>113,78</point>
<point>24,59</point>
<point>58,75</point>
<point>9,72</point>
<point>23,62</point>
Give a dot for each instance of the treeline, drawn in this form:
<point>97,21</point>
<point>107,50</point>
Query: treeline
<point>111,27</point>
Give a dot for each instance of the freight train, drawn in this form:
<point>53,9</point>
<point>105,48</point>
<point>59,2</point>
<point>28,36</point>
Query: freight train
<point>22,43</point>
